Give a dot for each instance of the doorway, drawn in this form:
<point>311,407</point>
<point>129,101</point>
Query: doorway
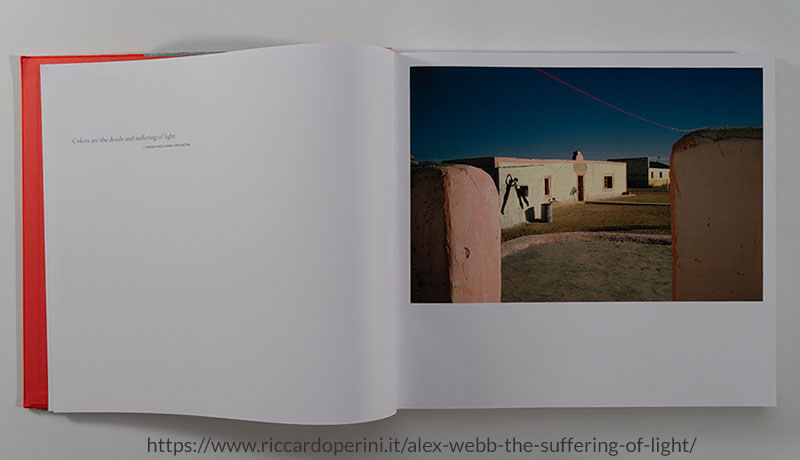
<point>580,187</point>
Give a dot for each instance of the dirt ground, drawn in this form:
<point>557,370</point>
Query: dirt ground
<point>588,272</point>
<point>589,217</point>
<point>646,195</point>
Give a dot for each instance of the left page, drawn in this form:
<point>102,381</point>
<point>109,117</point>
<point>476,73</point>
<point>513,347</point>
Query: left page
<point>219,235</point>
<point>34,329</point>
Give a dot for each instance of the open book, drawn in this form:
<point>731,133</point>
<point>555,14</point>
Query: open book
<point>312,234</point>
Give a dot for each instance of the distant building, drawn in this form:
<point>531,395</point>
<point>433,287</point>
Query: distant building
<point>659,174</point>
<point>644,173</point>
<point>524,184</point>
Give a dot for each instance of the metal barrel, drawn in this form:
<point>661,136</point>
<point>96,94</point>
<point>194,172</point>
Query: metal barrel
<point>547,212</point>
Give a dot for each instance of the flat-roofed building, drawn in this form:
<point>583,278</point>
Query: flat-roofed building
<point>524,184</point>
<point>643,173</point>
<point>659,174</point>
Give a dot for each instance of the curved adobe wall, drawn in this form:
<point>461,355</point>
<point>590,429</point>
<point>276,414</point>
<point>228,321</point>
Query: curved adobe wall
<point>717,200</point>
<point>455,235</point>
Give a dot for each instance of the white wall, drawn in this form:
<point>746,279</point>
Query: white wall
<point>563,185</point>
<point>658,176</point>
<point>594,180</point>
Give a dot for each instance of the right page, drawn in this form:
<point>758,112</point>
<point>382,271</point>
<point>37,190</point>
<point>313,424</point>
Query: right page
<point>586,230</point>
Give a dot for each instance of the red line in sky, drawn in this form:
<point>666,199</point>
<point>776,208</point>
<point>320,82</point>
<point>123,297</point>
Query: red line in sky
<point>614,106</point>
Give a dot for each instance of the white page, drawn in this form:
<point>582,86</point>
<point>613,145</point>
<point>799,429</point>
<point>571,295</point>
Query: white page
<point>247,269</point>
<point>587,354</point>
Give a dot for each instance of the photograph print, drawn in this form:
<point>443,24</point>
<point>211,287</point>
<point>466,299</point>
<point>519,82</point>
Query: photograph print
<point>586,184</point>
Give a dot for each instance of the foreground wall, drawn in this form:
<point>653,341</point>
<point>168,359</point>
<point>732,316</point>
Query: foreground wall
<point>716,191</point>
<point>455,235</point>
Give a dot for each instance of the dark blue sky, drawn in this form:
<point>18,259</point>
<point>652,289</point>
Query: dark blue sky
<point>464,112</point>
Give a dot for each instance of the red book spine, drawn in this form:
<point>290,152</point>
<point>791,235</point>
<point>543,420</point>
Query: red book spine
<point>34,317</point>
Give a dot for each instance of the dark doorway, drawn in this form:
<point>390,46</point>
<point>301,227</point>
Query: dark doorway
<point>580,188</point>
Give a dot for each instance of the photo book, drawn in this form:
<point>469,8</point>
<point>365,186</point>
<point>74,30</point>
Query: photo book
<point>326,234</point>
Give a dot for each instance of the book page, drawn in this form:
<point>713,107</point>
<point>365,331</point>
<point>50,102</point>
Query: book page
<point>220,235</point>
<point>586,230</point>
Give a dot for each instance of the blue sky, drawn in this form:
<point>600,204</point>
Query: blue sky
<point>465,112</point>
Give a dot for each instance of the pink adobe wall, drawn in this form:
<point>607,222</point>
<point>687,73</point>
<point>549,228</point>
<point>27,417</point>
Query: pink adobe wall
<point>430,279</point>
<point>717,200</point>
<point>455,235</point>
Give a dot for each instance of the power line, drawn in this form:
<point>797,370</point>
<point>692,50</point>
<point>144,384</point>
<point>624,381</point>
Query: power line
<point>617,108</point>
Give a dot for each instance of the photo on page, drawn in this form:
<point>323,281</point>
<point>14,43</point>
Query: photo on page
<point>586,184</point>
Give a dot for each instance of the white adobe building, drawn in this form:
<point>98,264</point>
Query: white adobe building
<point>525,184</point>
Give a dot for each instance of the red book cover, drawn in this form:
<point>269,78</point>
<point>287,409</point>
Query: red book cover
<point>34,321</point>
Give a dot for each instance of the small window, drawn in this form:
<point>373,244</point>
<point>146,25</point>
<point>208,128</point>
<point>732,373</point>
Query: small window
<point>652,174</point>
<point>547,186</point>
<point>660,175</point>
<point>608,181</point>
